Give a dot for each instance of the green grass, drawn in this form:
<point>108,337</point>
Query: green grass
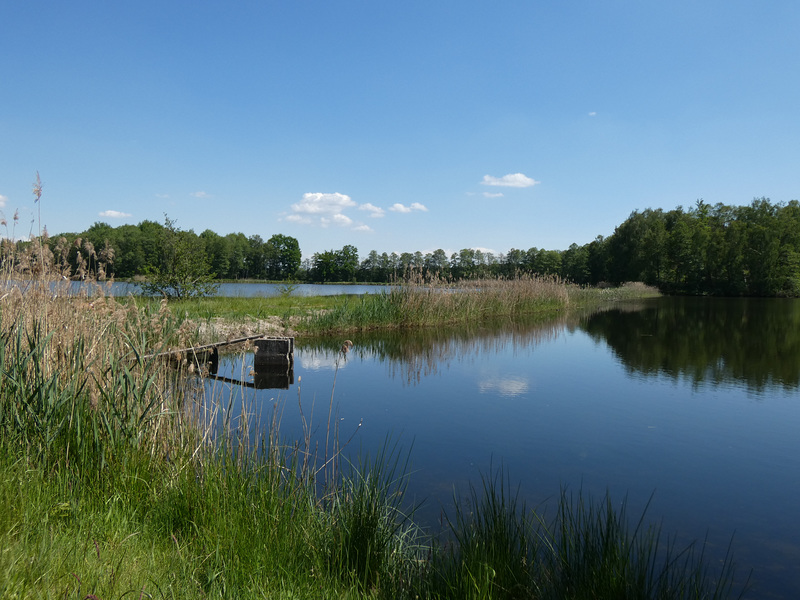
<point>240,308</point>
<point>116,481</point>
<point>418,304</point>
<point>413,304</point>
<point>168,532</point>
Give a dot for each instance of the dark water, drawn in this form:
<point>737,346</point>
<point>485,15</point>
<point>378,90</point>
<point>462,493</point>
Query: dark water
<point>694,402</point>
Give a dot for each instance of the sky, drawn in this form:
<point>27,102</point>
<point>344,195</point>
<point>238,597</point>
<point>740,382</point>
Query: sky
<point>394,126</point>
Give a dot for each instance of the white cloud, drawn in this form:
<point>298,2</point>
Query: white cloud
<point>592,114</point>
<point>341,220</point>
<point>374,211</point>
<point>327,210</point>
<point>517,180</point>
<point>492,195</point>
<point>114,214</point>
<point>3,200</point>
<point>401,208</point>
<point>509,386</point>
<point>162,196</point>
<point>201,195</point>
<point>321,362</point>
<point>319,203</point>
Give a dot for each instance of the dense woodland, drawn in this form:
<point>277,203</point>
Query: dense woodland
<point>721,250</point>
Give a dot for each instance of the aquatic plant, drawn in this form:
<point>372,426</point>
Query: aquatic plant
<point>494,547</point>
<point>429,301</point>
<point>119,477</point>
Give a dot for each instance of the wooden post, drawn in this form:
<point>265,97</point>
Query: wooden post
<point>273,351</point>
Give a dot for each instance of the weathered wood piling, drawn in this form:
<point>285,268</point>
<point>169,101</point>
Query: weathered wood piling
<point>273,365</point>
<point>273,351</point>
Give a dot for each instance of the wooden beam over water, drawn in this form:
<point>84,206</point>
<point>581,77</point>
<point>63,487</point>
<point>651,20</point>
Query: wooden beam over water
<point>202,348</point>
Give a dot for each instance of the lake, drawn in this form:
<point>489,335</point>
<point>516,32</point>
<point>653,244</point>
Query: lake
<point>231,290</point>
<point>693,401</point>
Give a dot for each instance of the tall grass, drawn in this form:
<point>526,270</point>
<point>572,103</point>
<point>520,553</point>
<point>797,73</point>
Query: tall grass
<point>589,550</point>
<point>119,491</point>
<point>370,535</point>
<point>492,549</point>
<point>425,302</point>
<point>122,478</point>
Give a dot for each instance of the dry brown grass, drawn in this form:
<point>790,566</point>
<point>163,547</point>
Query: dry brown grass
<point>86,342</point>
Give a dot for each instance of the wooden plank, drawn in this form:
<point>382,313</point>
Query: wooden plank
<point>194,349</point>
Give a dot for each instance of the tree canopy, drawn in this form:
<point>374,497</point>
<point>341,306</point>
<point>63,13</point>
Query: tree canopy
<point>725,250</point>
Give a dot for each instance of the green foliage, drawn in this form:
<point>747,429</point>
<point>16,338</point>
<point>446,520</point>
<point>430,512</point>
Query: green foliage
<point>499,549</point>
<point>748,250</point>
<point>165,515</point>
<point>494,546</point>
<point>366,521</point>
<point>751,250</point>
<point>335,265</point>
<point>283,257</point>
<point>183,270</point>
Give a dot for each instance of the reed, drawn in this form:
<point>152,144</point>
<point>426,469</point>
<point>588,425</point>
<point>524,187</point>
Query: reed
<point>120,477</point>
<point>593,550</point>
<point>492,546</point>
<point>427,302</point>
<point>496,548</point>
<point>367,522</point>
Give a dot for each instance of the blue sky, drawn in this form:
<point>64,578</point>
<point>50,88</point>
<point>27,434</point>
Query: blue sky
<point>395,126</point>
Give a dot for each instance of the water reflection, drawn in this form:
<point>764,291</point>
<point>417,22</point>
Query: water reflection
<point>630,399</point>
<point>413,355</point>
<point>754,341</point>
<point>227,290</point>
<point>264,378</point>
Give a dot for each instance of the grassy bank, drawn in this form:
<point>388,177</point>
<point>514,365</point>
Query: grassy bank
<point>122,477</point>
<point>415,303</point>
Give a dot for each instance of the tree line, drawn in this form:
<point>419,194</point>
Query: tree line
<point>129,251</point>
<point>706,249</point>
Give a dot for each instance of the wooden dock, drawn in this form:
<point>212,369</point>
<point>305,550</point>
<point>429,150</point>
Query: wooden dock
<point>202,349</point>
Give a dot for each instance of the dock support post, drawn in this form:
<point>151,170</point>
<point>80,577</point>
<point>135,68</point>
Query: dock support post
<point>273,351</point>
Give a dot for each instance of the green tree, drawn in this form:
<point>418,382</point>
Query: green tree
<point>575,264</point>
<point>217,252</point>
<point>436,262</point>
<point>347,263</point>
<point>182,270</point>
<point>597,260</point>
<point>283,257</point>
<point>256,257</point>
<point>239,247</point>
<point>323,266</point>
<point>370,268</point>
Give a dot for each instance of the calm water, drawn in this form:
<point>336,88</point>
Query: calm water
<point>693,401</point>
<point>233,290</point>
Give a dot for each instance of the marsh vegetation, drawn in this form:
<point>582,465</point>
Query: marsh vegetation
<point>121,476</point>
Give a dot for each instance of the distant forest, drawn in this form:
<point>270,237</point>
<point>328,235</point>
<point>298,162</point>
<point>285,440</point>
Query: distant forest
<point>749,250</point>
